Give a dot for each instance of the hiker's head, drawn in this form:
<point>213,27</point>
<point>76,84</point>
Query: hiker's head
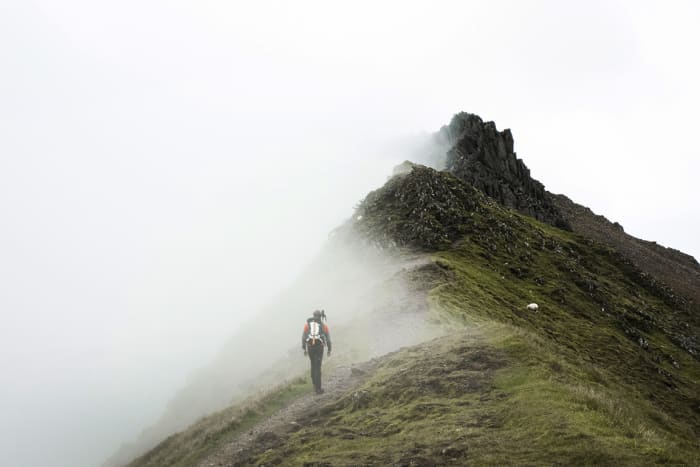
<point>317,314</point>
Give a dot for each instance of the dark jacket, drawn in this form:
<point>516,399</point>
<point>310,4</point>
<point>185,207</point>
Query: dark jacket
<point>325,334</point>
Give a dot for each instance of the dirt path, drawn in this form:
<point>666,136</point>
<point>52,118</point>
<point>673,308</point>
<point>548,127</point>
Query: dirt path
<point>269,431</point>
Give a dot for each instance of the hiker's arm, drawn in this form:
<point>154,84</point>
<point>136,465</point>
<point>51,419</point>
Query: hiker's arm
<point>327,331</point>
<point>304,335</point>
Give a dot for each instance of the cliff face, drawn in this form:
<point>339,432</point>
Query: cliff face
<point>484,157</point>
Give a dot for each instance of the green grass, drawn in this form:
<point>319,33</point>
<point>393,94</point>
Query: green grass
<point>212,432</point>
<point>569,385</point>
<point>492,395</point>
<point>599,327</point>
<point>577,413</point>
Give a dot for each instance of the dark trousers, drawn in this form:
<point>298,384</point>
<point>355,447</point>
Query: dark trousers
<point>316,357</point>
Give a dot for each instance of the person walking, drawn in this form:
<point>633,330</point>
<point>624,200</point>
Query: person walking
<point>314,339</point>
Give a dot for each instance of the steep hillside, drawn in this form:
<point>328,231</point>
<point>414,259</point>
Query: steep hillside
<point>606,372</point>
<point>678,270</point>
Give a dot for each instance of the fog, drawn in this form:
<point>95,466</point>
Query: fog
<point>363,288</point>
<point>169,168</point>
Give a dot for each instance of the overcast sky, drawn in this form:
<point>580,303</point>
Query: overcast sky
<point>166,166</point>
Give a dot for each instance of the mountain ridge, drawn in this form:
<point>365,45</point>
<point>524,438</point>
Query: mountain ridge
<point>615,346</point>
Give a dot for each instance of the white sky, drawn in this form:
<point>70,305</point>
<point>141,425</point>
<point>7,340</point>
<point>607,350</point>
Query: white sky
<point>165,166</point>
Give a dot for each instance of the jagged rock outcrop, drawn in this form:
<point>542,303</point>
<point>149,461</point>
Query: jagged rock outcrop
<point>484,157</point>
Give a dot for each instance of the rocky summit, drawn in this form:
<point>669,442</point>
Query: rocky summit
<point>480,155</point>
<point>484,157</point>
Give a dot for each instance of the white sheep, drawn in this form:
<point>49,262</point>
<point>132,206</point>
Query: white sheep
<point>532,307</point>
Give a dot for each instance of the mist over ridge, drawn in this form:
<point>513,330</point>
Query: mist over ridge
<point>429,248</point>
<point>166,169</point>
<point>363,272</point>
<point>145,280</point>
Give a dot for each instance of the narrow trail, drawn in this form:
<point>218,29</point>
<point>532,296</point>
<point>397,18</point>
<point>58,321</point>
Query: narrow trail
<point>269,431</point>
<point>404,311</point>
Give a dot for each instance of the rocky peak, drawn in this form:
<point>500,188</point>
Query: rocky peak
<point>484,157</point>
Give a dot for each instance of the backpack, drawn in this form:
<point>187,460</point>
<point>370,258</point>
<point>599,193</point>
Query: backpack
<point>315,333</point>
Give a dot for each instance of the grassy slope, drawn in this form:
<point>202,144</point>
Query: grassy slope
<point>594,306</point>
<point>501,396</point>
<point>602,374</point>
<point>596,376</point>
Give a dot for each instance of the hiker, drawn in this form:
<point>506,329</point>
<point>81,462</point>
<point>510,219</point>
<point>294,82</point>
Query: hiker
<point>316,336</point>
